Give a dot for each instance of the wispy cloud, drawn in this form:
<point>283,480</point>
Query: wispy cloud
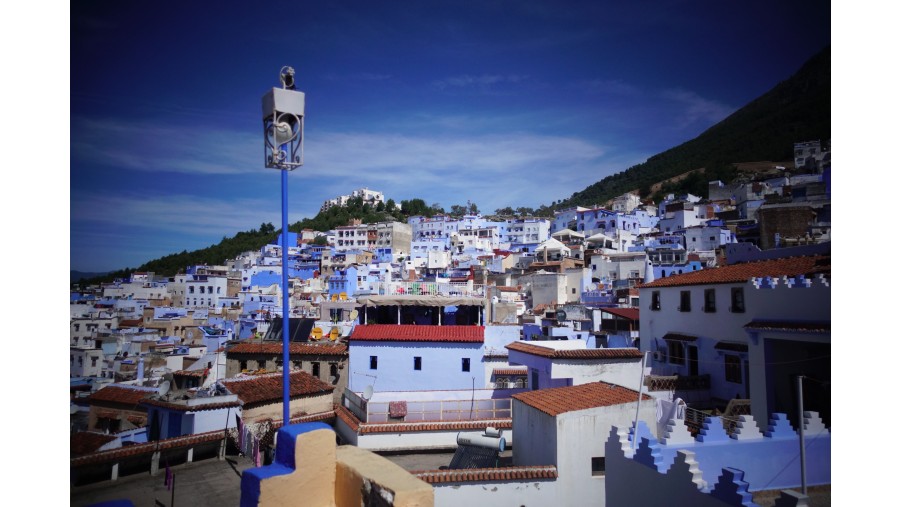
<point>482,82</point>
<point>147,146</point>
<point>492,170</point>
<point>695,109</point>
<point>608,86</point>
<point>175,213</point>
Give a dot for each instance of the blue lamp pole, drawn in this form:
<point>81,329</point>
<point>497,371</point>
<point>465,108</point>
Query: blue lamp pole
<point>283,112</point>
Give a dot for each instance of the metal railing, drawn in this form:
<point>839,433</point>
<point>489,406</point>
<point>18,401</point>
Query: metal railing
<point>677,382</point>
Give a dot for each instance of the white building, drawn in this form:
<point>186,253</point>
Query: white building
<point>771,318</point>
<point>370,197</point>
<point>568,427</point>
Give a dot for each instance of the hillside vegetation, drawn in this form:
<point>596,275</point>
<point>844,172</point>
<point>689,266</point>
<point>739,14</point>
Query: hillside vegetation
<point>798,109</point>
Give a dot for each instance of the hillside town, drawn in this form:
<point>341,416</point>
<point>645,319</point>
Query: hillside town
<point>684,345</point>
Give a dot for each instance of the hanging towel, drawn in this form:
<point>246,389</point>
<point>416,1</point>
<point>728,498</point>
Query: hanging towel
<point>665,411</point>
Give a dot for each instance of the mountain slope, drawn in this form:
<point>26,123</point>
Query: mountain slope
<point>795,110</point>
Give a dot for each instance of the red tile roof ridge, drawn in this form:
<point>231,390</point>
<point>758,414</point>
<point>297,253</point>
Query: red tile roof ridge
<point>295,348</point>
<point>118,393</point>
<point>409,332</point>
<point>353,422</point>
<point>269,387</point>
<point>559,400</point>
<point>587,354</point>
<point>113,455</point>
<point>514,473</point>
<point>511,371</point>
<point>745,271</point>
<point>190,408</point>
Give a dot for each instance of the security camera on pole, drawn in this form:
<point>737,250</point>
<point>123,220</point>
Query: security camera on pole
<point>283,110</point>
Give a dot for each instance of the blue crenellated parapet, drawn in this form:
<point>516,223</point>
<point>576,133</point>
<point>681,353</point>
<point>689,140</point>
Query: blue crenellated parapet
<point>769,459</point>
<point>732,489</point>
<point>712,431</point>
<point>716,471</point>
<point>648,453</point>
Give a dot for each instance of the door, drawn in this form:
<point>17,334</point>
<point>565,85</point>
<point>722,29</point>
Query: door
<point>693,363</point>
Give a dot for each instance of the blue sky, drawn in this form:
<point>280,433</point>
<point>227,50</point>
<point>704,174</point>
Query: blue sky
<point>501,103</point>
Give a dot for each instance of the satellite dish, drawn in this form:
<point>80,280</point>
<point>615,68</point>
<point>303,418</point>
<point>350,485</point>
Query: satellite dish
<point>368,392</point>
<point>354,314</point>
<point>72,409</point>
<point>164,388</point>
<point>317,333</point>
<point>335,333</point>
<point>561,315</point>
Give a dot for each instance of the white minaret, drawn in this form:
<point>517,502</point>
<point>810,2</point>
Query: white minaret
<point>648,270</point>
<point>140,370</point>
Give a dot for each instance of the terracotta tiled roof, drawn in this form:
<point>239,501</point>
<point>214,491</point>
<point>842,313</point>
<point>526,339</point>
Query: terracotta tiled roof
<point>191,373</point>
<point>115,455</point>
<point>296,349</point>
<point>507,288</point>
<point>362,428</point>
<point>628,313</point>
<point>119,394</point>
<point>193,408</point>
<point>130,323</point>
<point>559,400</point>
<point>510,371</point>
<point>411,333</point>
<point>609,353</point>
<point>738,273</point>
<point>86,442</point>
<point>262,388</point>
<point>810,327</point>
<point>522,473</point>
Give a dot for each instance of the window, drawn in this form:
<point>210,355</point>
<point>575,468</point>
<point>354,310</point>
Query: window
<point>709,300</point>
<point>465,364</point>
<point>373,362</point>
<point>573,290</point>
<point>72,359</point>
<point>417,363</point>
<point>733,369</point>
<point>654,302</point>
<point>598,466</point>
<point>93,362</point>
<point>77,326</point>
<point>315,369</point>
<point>685,301</point>
<point>737,299</point>
<point>80,361</point>
<point>334,373</point>
<point>202,289</point>
<point>243,365</point>
<point>297,364</point>
<point>191,289</point>
<point>676,352</point>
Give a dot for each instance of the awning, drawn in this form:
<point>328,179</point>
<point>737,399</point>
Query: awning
<point>679,337</point>
<point>731,346</point>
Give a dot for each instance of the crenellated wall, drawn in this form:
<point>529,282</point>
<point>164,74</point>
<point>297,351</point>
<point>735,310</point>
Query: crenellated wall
<point>715,469</point>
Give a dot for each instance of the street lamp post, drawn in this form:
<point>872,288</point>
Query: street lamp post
<point>283,111</point>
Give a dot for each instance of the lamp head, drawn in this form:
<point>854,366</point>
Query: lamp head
<point>287,78</point>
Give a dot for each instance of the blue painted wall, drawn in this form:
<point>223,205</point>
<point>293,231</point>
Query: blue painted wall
<point>441,365</point>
